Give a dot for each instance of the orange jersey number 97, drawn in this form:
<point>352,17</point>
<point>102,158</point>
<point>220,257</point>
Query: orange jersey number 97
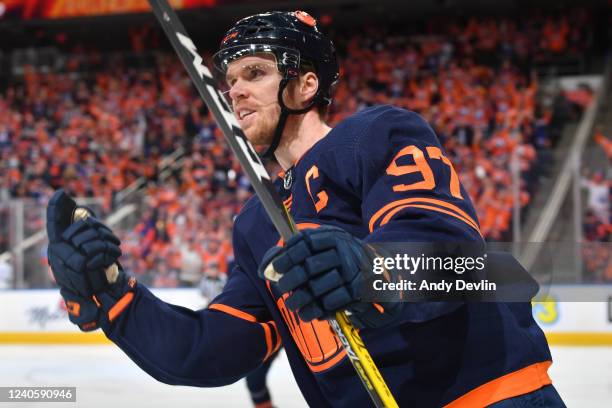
<point>422,166</point>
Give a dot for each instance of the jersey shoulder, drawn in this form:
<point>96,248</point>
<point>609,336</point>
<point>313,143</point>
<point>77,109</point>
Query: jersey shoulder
<point>364,118</point>
<point>380,124</point>
<point>368,140</point>
<point>363,145</point>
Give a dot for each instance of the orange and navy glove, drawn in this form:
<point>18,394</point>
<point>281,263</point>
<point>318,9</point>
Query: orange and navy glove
<point>79,254</point>
<point>322,274</point>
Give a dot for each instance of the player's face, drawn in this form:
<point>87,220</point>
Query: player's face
<point>253,87</point>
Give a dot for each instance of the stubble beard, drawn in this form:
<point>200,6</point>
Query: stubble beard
<point>262,134</point>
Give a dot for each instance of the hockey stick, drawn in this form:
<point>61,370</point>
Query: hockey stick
<point>261,182</point>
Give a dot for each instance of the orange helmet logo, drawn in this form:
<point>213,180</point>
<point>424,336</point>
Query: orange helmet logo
<point>305,18</point>
<point>229,37</point>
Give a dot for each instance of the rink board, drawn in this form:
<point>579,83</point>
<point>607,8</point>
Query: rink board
<point>39,316</point>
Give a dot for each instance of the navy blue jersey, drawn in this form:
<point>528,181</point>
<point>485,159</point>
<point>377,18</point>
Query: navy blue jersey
<point>382,176</point>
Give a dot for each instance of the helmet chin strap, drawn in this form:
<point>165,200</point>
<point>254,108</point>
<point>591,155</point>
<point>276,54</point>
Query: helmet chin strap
<point>282,120</point>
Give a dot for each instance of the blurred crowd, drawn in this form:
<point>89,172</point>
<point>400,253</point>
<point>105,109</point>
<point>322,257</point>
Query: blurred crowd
<point>597,227</point>
<point>102,123</point>
<point>92,133</point>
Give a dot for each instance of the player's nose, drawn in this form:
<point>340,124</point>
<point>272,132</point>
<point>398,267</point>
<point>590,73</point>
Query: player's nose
<point>238,91</point>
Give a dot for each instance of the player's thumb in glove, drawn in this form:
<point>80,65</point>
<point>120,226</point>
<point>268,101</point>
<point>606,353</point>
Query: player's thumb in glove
<point>80,254</point>
<point>60,210</point>
<point>79,247</point>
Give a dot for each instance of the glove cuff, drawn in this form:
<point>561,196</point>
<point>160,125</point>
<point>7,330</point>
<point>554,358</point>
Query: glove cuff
<point>112,306</point>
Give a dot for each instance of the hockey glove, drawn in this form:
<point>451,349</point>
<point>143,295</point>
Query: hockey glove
<point>79,254</point>
<point>81,311</point>
<point>321,272</point>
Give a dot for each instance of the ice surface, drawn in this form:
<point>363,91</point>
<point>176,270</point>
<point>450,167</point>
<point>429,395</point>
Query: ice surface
<point>106,378</point>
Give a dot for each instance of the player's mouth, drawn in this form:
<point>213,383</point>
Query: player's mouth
<point>245,114</point>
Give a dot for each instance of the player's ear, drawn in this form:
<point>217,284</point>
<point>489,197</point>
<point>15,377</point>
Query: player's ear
<point>309,84</point>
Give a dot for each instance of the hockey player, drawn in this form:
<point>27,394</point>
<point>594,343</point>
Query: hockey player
<point>379,176</point>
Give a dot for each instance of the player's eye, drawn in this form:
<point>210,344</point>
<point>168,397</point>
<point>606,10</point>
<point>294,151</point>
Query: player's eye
<point>248,73</point>
<point>255,72</point>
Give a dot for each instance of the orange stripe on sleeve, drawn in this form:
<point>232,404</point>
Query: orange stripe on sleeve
<point>523,381</point>
<point>459,212</point>
<point>233,311</point>
<point>268,335</point>
<point>120,306</point>
<point>300,226</point>
<point>267,327</point>
<point>279,342</point>
<point>450,206</point>
<point>391,213</point>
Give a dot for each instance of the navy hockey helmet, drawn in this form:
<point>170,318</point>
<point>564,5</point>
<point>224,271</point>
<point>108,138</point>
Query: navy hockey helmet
<point>296,42</point>
<point>293,37</point>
